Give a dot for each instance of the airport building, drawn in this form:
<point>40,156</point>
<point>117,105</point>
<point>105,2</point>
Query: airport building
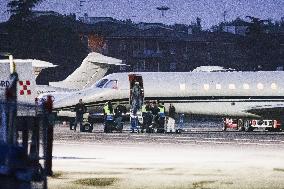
<point>156,47</point>
<point>144,46</point>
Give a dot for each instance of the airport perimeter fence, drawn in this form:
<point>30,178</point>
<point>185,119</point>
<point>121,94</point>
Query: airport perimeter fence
<point>25,142</point>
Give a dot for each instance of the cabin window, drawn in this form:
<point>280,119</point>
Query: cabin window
<point>260,86</point>
<point>218,86</point>
<point>112,84</point>
<point>246,86</point>
<point>273,86</point>
<point>182,86</point>
<point>206,87</point>
<point>232,86</point>
<point>101,83</point>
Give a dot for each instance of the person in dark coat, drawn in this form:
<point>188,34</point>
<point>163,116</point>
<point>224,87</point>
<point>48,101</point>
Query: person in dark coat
<point>155,112</point>
<point>119,111</point>
<point>136,97</point>
<point>80,109</point>
<point>172,111</point>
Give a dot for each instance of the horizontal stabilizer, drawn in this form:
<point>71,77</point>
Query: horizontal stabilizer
<point>38,65</point>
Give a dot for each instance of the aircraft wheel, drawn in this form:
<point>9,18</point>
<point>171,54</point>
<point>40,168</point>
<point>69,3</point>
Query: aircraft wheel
<point>88,127</point>
<point>224,128</point>
<point>107,128</point>
<point>82,128</point>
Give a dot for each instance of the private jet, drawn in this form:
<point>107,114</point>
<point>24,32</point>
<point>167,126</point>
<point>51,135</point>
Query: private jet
<point>223,94</point>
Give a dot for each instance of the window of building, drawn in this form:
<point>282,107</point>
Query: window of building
<point>232,86</point>
<point>246,86</point>
<point>218,86</point>
<point>206,87</point>
<point>260,86</point>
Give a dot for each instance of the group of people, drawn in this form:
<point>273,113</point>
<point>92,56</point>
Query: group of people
<point>154,113</point>
<point>110,114</point>
<point>113,116</point>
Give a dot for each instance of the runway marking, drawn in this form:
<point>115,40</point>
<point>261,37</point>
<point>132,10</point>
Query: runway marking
<point>186,140</point>
<point>260,144</point>
<point>270,141</point>
<point>139,138</point>
<point>269,144</point>
<point>215,138</point>
<point>117,137</point>
<point>215,142</point>
<point>186,137</point>
<point>162,139</point>
<point>204,141</point>
<point>139,135</point>
<point>156,136</point>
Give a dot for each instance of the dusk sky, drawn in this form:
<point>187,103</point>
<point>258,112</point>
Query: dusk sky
<point>181,11</point>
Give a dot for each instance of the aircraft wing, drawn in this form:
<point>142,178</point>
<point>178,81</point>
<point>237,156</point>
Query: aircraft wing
<point>38,65</point>
<point>268,111</point>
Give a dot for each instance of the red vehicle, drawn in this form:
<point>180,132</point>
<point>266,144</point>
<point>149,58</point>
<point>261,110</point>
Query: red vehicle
<point>230,123</point>
<point>250,125</point>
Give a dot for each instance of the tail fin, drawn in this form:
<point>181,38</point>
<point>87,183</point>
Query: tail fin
<point>26,85</point>
<point>93,68</point>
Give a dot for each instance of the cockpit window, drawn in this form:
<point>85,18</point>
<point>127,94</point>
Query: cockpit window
<point>101,83</point>
<point>112,84</point>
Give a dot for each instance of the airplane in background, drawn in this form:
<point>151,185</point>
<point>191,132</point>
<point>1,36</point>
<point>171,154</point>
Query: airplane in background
<point>92,68</point>
<point>223,94</point>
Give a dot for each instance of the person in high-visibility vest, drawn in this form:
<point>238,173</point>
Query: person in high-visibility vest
<point>162,109</point>
<point>108,112</point>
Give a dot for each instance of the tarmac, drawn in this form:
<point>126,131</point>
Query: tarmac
<point>203,157</point>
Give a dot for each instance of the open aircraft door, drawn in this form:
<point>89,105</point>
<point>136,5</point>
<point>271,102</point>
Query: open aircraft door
<point>132,79</point>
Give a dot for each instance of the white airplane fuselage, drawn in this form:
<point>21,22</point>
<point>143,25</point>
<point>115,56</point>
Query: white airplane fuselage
<point>203,93</point>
